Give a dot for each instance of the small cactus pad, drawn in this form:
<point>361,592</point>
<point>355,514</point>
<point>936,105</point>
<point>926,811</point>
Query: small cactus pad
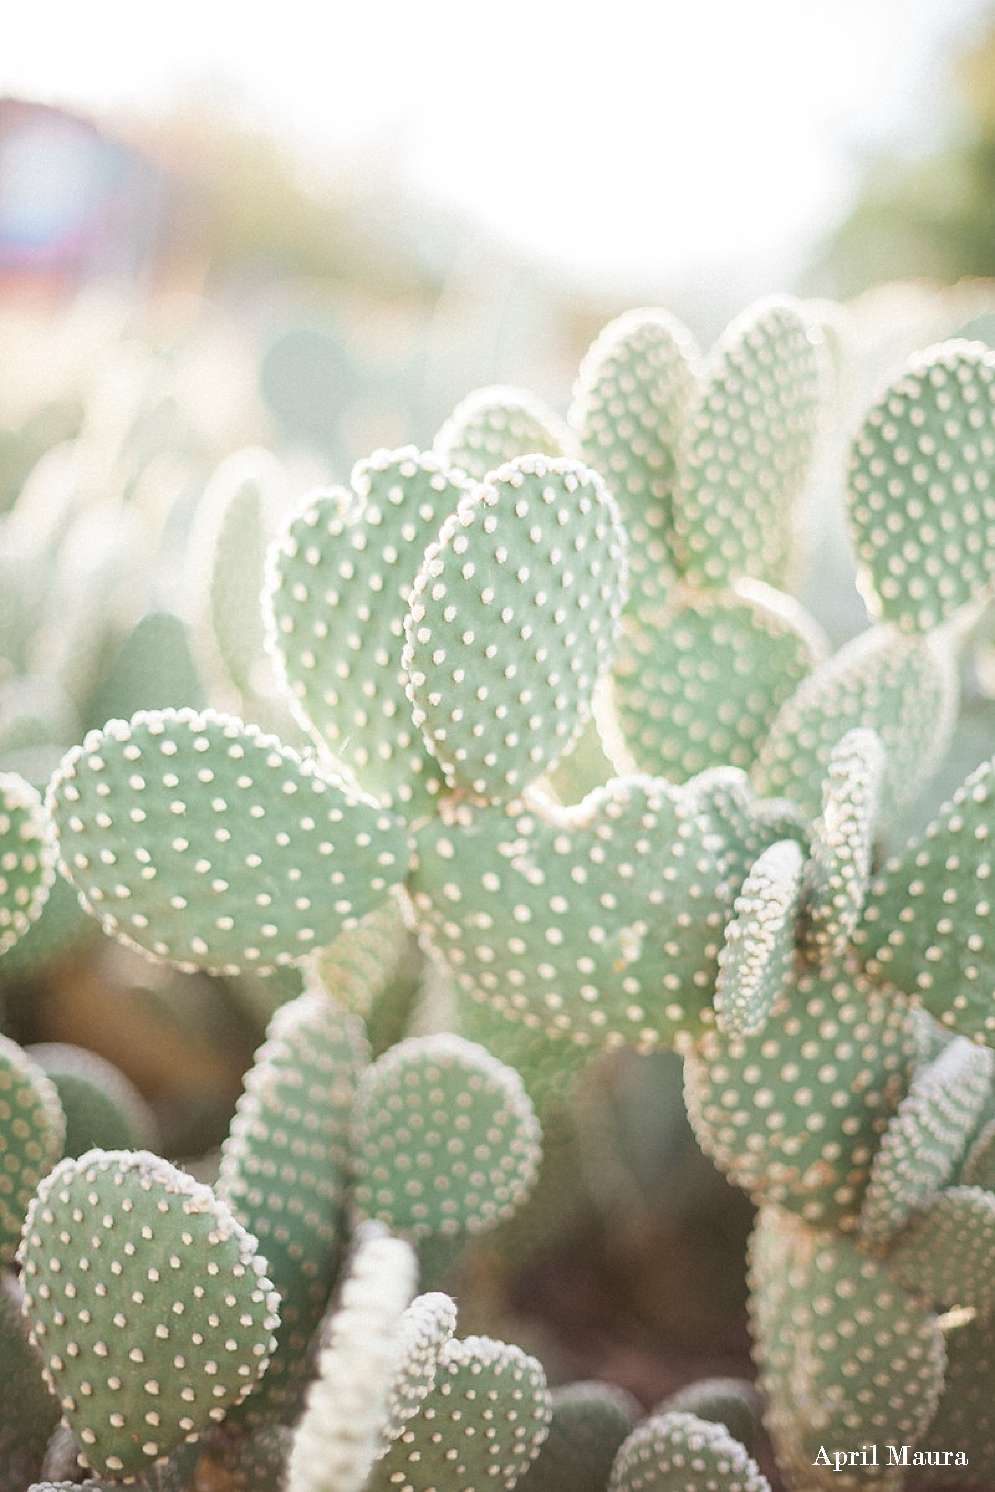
<point>207,843</point>
<point>478,1429</point>
<point>747,445</point>
<point>701,683</point>
<point>102,1107</point>
<point>336,598</point>
<point>347,1404</point>
<point>757,957</point>
<point>793,1115</point>
<point>494,425</point>
<point>847,1357</point>
<point>445,1138</point>
<point>283,1173</point>
<point>838,871</point>
<point>922,490</point>
<point>27,868</point>
<point>679,1452</point>
<point>733,1402</point>
<point>927,922</point>
<point>948,1253</point>
<point>628,408</point>
<point>32,1131</point>
<point>356,967</point>
<point>904,688</point>
<point>426,1326</point>
<point>925,1140</point>
<point>601,923</point>
<point>512,621</point>
<point>148,1302</point>
<point>589,1422</point>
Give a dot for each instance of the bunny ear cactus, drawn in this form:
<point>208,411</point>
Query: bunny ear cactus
<point>680,1452</point>
<point>32,1133</point>
<point>27,868</point>
<point>494,425</point>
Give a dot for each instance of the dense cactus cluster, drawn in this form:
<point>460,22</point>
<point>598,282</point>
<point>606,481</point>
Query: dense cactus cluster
<point>540,697</point>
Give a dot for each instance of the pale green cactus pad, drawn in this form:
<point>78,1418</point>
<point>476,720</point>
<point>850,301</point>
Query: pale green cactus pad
<point>921,489</point>
<point>32,1131</point>
<point>284,1174</point>
<point>27,867</point>
<point>130,1268</point>
<point>494,425</point>
<point>425,1327</point>
<point>336,599</point>
<point>589,1422</point>
<point>679,1452</point>
<point>479,1428</point>
<point>601,923</point>
<point>355,968</point>
<point>794,1114</point>
<point>742,823</point>
<point>445,1138</point>
<point>628,408</point>
<point>904,688</point>
<point>946,1253</point>
<point>924,1142</point>
<point>758,955</point>
<point>847,1357</point>
<point>205,842</point>
<point>927,922</point>
<point>747,445</point>
<point>512,621</point>
<point>701,682</point>
<point>838,871</point>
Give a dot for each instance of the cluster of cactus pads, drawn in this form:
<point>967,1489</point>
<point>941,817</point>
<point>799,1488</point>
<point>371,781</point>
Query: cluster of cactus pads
<point>563,718</point>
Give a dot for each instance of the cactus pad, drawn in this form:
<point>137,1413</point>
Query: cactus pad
<point>947,1252</point>
<point>26,863</point>
<point>678,1452</point>
<point>426,1326</point>
<point>515,605</point>
<point>205,842</point>
<point>445,1137</point>
<point>494,425</point>
<point>32,1130</point>
<point>148,1302</point>
<point>838,871</point>
<point>757,957</point>
<point>589,1422</point>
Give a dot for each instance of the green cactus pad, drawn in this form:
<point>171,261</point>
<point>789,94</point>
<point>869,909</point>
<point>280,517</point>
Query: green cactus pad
<point>148,1302</point>
<point>746,447</point>
<point>27,868</point>
<point>904,688</point>
<point>207,843</point>
<point>102,1107</point>
<point>348,1402</point>
<point>757,957</point>
<point>733,1402</point>
<point>153,668</point>
<point>494,425</point>
<point>32,1131</point>
<point>512,622</point>
<point>838,871</point>
<point>445,1138</point>
<point>965,1418</point>
<point>355,968</point>
<point>921,490</point>
<point>678,1452</point>
<point>700,684</point>
<point>336,598</point>
<point>29,1412</point>
<point>847,1357</point>
<point>589,1422</point>
<point>979,1162</point>
<point>925,1140</point>
<point>283,1173</point>
<point>601,923</point>
<point>478,1429</point>
<point>948,1253</point>
<point>628,407</point>
<point>743,824</point>
<point>927,922</point>
<point>426,1326</point>
<point>794,1114</point>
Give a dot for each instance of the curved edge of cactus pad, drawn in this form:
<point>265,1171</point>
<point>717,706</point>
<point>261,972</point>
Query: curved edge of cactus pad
<point>206,842</point>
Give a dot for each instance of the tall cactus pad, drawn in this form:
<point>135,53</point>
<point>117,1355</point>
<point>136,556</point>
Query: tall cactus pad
<point>600,923</point>
<point>426,1326</point>
<point>847,1357</point>
<point>757,957</point>
<point>446,1139</point>
<point>26,863</point>
<point>479,1428</point>
<point>207,843</point>
<point>838,873</point>
<point>679,1452</point>
<point>512,622</point>
<point>283,1173</point>
<point>337,597</point>
<point>927,923</point>
<point>628,407</point>
<point>794,1114</point>
<point>747,446</point>
<point>701,683</point>
<point>148,1302</point>
<point>32,1130</point>
<point>494,425</point>
<point>922,490</point>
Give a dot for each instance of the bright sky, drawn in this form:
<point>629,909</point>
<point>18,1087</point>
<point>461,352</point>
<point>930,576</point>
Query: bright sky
<point>622,135</point>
